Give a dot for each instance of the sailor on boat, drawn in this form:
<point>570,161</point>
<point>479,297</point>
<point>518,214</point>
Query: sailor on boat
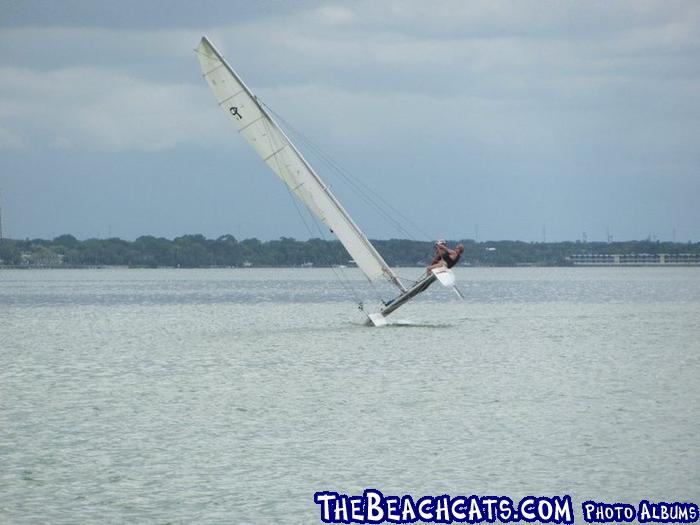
<point>439,268</point>
<point>444,256</point>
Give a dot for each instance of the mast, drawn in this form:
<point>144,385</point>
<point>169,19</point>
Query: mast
<point>273,145</point>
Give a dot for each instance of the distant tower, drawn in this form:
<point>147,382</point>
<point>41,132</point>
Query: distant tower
<point>544,233</point>
<point>0,215</point>
<point>476,232</point>
<point>608,236</point>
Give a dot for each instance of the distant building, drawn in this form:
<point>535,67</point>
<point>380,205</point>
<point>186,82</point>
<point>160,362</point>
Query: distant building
<point>42,259</point>
<point>636,259</point>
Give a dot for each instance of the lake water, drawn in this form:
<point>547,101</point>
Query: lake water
<point>231,396</point>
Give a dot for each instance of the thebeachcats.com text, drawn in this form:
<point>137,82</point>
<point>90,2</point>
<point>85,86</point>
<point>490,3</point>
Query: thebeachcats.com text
<point>374,507</point>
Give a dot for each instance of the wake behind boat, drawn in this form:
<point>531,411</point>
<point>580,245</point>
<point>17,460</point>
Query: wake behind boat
<point>262,132</point>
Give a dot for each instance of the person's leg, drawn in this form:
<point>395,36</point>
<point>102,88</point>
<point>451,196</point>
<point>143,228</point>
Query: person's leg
<point>433,266</point>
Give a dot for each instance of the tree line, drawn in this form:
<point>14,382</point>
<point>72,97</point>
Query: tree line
<point>196,251</point>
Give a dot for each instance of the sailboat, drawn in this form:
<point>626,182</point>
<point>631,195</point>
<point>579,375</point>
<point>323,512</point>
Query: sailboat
<point>255,123</point>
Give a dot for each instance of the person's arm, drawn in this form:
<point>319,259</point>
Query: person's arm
<point>452,254</point>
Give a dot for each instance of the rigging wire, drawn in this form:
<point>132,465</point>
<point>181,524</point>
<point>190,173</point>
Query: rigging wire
<point>358,187</point>
<point>367,197</point>
<point>361,189</point>
<point>338,270</point>
<point>367,194</point>
<point>370,197</point>
<point>342,279</point>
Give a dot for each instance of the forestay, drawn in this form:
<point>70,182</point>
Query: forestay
<point>274,147</point>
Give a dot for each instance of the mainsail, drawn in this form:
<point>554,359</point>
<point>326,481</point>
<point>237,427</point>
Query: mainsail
<point>277,151</point>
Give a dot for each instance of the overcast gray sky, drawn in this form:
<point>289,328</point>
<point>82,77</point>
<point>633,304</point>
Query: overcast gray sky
<point>513,118</point>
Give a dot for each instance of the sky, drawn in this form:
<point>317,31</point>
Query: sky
<point>494,120</point>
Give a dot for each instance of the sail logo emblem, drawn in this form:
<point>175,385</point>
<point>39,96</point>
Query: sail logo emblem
<point>235,113</point>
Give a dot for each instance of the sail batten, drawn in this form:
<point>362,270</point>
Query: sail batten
<point>229,98</point>
<point>275,148</point>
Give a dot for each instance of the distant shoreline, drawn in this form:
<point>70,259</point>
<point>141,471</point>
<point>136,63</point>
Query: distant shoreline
<point>196,251</point>
<point>522,266</point>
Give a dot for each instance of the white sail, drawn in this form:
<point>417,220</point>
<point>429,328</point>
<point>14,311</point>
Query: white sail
<point>277,151</point>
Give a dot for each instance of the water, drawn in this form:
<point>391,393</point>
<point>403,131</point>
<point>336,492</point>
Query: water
<point>231,396</point>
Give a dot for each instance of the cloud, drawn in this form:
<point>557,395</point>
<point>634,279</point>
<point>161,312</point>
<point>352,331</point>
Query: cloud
<point>9,139</point>
<point>103,109</point>
<point>334,15</point>
<point>372,72</point>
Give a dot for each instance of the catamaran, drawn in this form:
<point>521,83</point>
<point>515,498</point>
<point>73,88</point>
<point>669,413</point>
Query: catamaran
<point>263,133</point>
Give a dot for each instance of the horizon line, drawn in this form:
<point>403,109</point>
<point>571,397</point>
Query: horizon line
<point>457,240</point>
